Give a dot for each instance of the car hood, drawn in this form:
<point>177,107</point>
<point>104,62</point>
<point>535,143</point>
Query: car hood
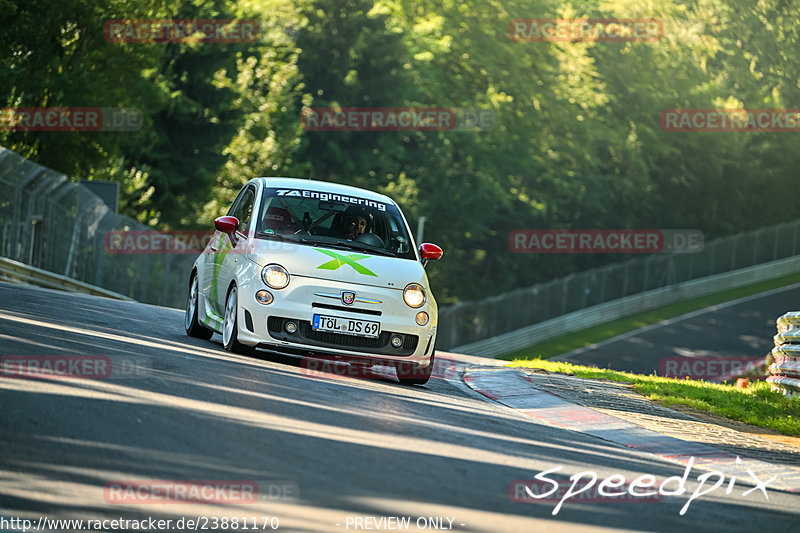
<point>350,266</point>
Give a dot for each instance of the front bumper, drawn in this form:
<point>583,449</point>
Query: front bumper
<point>263,326</point>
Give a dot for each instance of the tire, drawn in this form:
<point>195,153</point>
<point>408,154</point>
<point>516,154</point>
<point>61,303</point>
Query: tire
<point>192,326</point>
<point>230,328</point>
<point>413,374</point>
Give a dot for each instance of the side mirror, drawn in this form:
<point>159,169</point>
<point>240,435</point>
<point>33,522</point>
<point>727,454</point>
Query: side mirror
<point>429,252</point>
<point>226,224</point>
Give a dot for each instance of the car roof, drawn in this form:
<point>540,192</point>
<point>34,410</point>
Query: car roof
<point>323,186</point>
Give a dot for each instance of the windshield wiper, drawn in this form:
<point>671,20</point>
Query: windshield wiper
<point>305,240</point>
<point>355,245</point>
<point>276,236</point>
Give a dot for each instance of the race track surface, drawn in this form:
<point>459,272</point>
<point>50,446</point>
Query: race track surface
<point>740,329</point>
<point>323,450</point>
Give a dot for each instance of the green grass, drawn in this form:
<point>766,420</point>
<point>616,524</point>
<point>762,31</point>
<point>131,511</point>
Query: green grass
<point>579,339</point>
<point>757,405</point>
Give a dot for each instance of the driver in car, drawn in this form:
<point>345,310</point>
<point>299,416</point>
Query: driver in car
<point>355,225</point>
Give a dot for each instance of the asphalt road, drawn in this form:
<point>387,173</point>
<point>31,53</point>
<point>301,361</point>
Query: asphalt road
<point>741,329</point>
<point>323,451</point>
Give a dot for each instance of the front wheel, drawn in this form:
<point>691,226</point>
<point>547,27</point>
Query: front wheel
<point>413,374</point>
<point>193,327</point>
<point>230,329</point>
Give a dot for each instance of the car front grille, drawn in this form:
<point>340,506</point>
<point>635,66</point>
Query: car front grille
<point>338,339</point>
<point>305,334</point>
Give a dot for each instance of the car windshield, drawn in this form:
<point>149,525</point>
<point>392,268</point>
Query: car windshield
<point>334,220</point>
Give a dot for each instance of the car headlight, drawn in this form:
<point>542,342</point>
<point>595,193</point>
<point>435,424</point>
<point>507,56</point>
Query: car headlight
<point>414,295</point>
<point>275,276</point>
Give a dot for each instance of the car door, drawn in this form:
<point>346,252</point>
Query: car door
<point>223,264</point>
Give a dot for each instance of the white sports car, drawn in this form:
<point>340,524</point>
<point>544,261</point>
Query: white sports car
<point>317,269</point>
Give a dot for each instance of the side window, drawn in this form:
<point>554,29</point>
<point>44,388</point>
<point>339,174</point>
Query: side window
<point>397,243</point>
<point>243,208</point>
<point>236,202</point>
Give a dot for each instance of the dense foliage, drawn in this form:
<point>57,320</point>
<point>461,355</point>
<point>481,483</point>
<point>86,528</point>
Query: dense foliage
<point>576,143</point>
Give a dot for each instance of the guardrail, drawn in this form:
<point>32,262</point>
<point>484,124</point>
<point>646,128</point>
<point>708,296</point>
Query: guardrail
<point>16,272</point>
<point>58,226</point>
<point>470,323</point>
<point>631,305</point>
<point>785,368</point>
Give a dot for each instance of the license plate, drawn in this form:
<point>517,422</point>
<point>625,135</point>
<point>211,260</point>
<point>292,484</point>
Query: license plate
<point>347,326</point>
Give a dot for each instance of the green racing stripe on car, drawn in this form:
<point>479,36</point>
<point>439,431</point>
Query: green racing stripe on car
<point>212,321</point>
<point>339,260</point>
<point>219,257</point>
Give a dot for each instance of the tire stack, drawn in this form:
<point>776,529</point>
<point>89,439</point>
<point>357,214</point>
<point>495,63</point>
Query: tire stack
<point>784,369</point>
